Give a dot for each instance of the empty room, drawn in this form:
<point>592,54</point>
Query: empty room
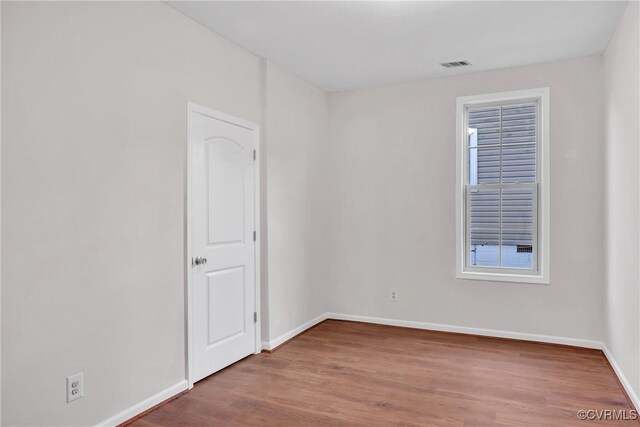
<point>320,213</point>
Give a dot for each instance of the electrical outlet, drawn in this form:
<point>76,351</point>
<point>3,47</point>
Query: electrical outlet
<point>393,295</point>
<point>75,388</point>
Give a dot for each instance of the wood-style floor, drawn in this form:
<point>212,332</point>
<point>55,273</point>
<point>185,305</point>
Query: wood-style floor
<point>346,373</point>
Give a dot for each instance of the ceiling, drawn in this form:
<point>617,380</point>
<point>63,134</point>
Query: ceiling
<point>346,45</point>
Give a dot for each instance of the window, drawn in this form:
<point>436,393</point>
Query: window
<point>502,191</point>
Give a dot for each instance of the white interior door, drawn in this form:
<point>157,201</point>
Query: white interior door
<point>222,238</point>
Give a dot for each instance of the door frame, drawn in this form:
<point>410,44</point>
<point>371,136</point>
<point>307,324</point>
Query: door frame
<point>193,108</point>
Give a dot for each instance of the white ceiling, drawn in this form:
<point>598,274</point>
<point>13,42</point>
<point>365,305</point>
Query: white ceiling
<point>347,45</point>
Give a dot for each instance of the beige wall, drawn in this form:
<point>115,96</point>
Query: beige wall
<point>295,140</point>
<point>93,100</point>
<point>622,139</point>
<point>393,208</point>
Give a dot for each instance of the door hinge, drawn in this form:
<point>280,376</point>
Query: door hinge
<point>255,317</point>
<point>254,236</point>
<point>254,154</point>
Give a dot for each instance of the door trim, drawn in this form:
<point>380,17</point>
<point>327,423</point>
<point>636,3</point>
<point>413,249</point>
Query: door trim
<point>191,109</point>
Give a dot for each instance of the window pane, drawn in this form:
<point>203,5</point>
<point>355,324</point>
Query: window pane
<point>502,155</point>
<point>485,123</point>
<point>484,255</point>
<point>519,163</point>
<point>517,257</point>
<point>517,227</point>
<point>484,165</point>
<point>519,124</point>
<point>484,225</point>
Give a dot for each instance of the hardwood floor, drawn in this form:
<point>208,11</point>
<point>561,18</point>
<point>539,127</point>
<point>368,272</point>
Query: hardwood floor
<point>347,373</point>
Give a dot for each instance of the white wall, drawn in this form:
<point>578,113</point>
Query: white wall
<point>94,96</point>
<point>622,139</point>
<point>295,139</point>
<point>394,225</point>
<point>93,100</point>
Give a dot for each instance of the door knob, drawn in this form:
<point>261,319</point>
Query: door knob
<point>199,260</point>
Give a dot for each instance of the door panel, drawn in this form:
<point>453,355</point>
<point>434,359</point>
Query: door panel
<point>222,219</point>
<point>226,191</point>
<point>226,309</point>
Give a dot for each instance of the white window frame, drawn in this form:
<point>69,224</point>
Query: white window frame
<point>539,275</point>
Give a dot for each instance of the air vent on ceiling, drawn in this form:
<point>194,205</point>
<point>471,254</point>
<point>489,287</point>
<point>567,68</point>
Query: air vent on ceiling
<point>455,64</point>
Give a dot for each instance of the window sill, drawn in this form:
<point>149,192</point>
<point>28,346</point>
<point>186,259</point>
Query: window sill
<point>504,277</point>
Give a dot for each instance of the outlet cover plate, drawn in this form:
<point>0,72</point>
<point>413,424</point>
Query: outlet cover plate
<point>75,387</point>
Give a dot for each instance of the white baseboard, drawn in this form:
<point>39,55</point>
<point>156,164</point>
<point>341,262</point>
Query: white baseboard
<point>146,404</point>
<point>623,379</point>
<point>270,345</point>
<point>467,330</point>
